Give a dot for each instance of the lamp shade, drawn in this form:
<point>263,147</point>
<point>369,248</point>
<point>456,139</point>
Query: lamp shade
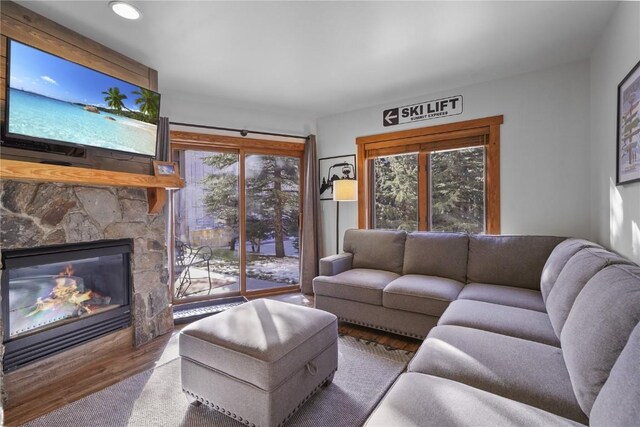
<point>345,190</point>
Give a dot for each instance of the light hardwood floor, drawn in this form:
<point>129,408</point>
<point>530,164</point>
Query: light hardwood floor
<point>124,362</point>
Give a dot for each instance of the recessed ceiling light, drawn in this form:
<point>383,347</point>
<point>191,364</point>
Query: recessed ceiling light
<point>125,10</point>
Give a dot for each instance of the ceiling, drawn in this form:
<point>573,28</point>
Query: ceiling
<point>321,58</point>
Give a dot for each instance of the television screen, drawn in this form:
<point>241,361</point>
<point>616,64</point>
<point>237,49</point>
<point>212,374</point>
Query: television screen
<point>50,99</point>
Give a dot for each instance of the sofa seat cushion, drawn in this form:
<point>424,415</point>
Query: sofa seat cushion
<point>521,370</point>
<point>501,319</point>
<point>359,284</point>
<point>424,400</point>
<point>421,294</point>
<point>505,295</point>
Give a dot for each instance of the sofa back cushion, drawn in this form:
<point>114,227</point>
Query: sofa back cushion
<point>558,259</point>
<point>618,403</point>
<point>376,249</point>
<point>574,276</point>
<point>509,260</point>
<point>598,327</point>
<point>437,254</point>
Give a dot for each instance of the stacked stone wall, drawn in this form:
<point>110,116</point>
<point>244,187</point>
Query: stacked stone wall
<point>38,214</point>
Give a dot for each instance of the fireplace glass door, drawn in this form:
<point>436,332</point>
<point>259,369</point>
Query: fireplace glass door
<point>47,295</point>
<point>56,297</point>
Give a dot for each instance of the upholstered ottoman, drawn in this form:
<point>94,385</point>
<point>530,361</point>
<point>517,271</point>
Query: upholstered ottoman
<point>260,361</point>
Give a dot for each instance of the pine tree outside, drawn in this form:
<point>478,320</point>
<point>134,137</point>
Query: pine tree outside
<point>396,192</point>
<point>456,191</point>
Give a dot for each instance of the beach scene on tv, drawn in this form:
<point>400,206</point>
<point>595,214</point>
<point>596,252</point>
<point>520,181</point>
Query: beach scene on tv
<point>55,99</point>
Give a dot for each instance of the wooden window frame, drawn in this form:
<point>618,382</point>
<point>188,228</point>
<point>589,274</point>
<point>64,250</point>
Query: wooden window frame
<point>423,141</point>
<point>185,140</point>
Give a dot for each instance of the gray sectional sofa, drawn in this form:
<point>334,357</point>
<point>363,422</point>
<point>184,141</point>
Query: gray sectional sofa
<point>403,283</point>
<point>531,330</point>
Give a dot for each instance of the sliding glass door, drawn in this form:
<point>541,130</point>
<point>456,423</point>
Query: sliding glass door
<point>206,224</point>
<point>272,209</point>
<point>236,224</point>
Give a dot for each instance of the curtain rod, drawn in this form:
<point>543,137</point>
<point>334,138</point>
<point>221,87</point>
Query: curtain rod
<point>243,132</point>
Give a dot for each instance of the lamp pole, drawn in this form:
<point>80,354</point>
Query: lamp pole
<point>337,226</point>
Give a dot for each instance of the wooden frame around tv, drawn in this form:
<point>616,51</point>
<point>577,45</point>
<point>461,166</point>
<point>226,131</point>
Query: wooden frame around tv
<point>21,24</point>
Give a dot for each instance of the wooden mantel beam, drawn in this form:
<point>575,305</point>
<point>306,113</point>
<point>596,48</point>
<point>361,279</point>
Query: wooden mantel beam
<point>28,171</point>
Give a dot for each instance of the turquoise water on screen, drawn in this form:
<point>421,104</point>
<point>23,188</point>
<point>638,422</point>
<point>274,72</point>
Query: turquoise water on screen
<point>42,117</point>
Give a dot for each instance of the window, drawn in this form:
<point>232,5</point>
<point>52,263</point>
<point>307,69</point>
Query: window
<point>236,224</point>
<point>440,178</point>
<point>456,190</point>
<point>395,192</point>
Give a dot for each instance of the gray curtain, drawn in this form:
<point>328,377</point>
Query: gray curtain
<point>163,139</point>
<point>310,243</point>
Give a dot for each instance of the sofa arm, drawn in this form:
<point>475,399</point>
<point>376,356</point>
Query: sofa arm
<point>335,264</point>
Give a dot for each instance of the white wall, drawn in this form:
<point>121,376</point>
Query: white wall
<point>544,149</point>
<point>615,211</point>
<point>216,113</point>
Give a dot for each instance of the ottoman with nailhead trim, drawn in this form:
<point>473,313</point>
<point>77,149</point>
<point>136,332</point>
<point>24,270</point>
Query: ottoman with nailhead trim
<point>260,361</point>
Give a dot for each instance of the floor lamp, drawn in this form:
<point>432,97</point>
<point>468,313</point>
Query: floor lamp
<point>344,190</point>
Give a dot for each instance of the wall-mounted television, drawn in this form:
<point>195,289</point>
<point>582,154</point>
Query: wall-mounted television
<point>51,100</point>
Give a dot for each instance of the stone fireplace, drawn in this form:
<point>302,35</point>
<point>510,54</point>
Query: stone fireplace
<point>42,214</point>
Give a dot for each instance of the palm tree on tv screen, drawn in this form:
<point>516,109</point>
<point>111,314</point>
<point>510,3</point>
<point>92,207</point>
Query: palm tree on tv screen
<point>148,102</point>
<point>114,98</point>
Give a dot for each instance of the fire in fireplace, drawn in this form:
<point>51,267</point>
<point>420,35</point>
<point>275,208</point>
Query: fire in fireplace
<point>39,300</point>
<point>59,296</point>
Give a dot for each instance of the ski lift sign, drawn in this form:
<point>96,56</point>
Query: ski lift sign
<point>435,109</point>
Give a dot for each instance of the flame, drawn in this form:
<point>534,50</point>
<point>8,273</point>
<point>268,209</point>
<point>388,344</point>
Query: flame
<point>64,292</point>
<point>68,271</point>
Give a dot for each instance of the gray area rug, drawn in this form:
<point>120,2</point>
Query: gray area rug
<point>154,398</point>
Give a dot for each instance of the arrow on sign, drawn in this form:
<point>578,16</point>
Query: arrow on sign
<point>390,117</point>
